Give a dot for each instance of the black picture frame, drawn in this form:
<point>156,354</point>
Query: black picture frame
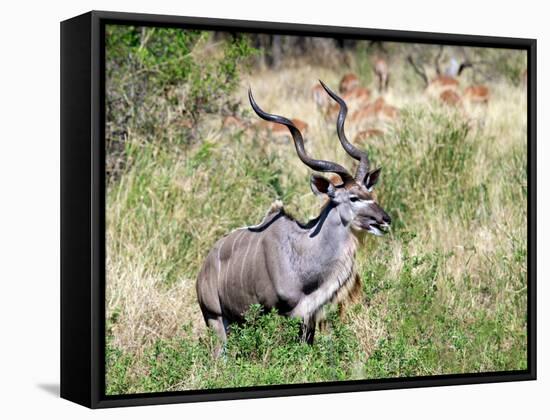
<point>83,205</point>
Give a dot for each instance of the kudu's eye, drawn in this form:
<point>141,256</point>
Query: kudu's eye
<point>354,198</point>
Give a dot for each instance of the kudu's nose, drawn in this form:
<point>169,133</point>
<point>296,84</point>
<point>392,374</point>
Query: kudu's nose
<point>386,219</point>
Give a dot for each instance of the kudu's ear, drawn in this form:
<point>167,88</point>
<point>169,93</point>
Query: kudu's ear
<point>372,178</point>
<point>321,186</point>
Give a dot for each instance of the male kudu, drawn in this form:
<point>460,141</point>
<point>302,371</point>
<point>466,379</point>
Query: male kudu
<point>295,267</point>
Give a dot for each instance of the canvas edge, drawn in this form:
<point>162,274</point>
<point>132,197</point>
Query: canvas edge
<point>75,147</point>
<point>94,304</point>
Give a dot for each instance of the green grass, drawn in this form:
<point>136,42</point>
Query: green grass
<point>444,293</point>
<point>265,350</point>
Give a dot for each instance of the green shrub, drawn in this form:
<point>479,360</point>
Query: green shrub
<point>150,71</point>
<point>265,350</point>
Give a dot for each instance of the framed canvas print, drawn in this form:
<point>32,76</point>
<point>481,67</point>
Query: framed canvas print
<point>255,209</point>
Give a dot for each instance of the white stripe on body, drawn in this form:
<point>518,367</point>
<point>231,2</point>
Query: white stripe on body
<point>219,260</point>
<point>243,261</point>
<point>232,250</point>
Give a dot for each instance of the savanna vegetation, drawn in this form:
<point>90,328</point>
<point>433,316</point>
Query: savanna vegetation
<point>444,292</point>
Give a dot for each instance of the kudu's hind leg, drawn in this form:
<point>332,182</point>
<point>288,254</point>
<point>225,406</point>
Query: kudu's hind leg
<point>219,326</point>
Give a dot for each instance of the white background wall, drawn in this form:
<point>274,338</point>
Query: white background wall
<point>29,222</point>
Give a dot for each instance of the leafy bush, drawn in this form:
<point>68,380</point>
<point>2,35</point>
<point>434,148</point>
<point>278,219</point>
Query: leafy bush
<point>152,71</point>
<point>264,350</point>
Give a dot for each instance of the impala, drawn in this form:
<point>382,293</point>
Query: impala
<point>278,130</point>
<point>358,94</point>
<point>438,84</point>
<point>450,97</point>
<point>295,268</point>
<point>349,82</point>
<point>474,95</point>
<point>382,73</point>
<point>378,110</point>
<point>445,87</point>
<point>358,97</point>
<point>442,82</point>
<point>477,94</point>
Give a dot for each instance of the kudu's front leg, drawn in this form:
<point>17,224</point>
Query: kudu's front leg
<point>307,331</point>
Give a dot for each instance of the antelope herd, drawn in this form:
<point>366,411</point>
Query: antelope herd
<point>370,109</point>
<point>445,86</point>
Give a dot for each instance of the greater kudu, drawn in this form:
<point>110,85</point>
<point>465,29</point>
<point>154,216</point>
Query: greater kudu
<point>295,267</point>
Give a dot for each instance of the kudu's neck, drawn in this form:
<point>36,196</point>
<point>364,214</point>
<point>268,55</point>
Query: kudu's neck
<point>330,235</point>
<point>327,256</point>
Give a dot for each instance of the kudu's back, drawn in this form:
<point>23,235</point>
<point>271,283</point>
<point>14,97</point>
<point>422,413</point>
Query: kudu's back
<point>241,270</point>
<point>224,285</point>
